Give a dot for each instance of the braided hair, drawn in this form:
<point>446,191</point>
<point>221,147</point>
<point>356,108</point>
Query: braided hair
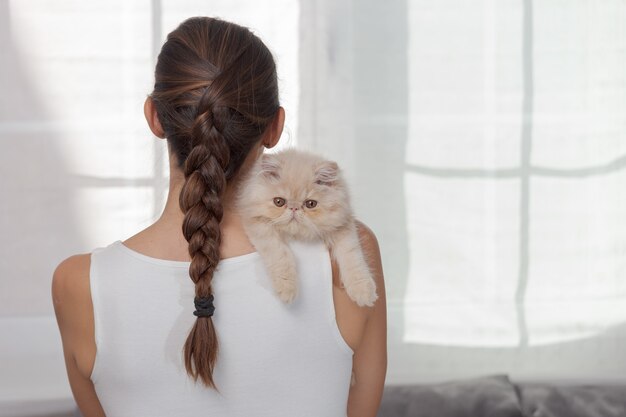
<point>215,93</point>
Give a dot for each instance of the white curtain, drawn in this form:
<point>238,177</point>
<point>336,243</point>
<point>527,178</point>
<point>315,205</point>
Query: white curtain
<point>79,167</point>
<point>484,141</point>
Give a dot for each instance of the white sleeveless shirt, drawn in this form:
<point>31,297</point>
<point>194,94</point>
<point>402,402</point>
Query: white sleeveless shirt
<point>274,359</point>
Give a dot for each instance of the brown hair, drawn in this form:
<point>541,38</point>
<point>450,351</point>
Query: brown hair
<point>215,93</point>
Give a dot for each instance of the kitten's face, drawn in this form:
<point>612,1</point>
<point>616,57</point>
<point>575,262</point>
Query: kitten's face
<point>298,192</point>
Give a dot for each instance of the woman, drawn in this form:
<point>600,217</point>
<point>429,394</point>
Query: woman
<point>132,341</point>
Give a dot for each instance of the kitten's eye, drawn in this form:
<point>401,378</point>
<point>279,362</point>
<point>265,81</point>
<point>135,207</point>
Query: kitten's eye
<point>279,201</point>
<point>310,203</point>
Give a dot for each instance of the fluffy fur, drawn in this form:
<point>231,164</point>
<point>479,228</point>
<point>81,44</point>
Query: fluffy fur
<point>297,194</point>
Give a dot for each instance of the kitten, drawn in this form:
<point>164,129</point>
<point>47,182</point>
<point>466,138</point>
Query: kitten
<point>296,194</point>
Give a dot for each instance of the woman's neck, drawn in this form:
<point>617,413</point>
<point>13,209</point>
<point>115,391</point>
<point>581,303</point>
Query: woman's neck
<point>164,238</point>
<point>172,213</point>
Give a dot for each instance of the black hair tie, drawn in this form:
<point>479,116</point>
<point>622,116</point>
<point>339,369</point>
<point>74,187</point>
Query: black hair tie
<point>204,306</point>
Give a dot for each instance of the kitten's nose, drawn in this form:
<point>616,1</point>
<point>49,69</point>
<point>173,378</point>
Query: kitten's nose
<point>293,208</point>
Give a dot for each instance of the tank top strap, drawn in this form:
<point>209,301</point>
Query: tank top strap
<point>314,264</point>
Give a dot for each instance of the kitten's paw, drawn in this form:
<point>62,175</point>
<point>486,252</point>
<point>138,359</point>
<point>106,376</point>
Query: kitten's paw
<point>286,282</point>
<point>363,292</point>
<point>286,289</point>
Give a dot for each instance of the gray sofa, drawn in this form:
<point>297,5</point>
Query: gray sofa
<point>498,396</point>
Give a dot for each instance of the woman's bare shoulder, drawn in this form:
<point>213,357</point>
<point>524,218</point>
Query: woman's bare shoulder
<point>367,236</point>
<point>369,244</point>
<point>70,280</point>
<point>71,298</point>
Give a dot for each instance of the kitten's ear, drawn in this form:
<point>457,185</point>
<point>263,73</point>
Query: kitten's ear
<point>326,173</point>
<point>270,166</point>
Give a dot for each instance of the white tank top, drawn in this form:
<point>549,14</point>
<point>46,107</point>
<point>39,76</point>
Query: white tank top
<point>274,359</point>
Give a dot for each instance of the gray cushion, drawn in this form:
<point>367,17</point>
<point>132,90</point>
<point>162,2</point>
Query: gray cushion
<point>546,400</point>
<point>488,396</point>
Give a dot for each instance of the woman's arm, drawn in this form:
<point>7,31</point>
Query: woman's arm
<point>369,363</point>
<point>71,297</point>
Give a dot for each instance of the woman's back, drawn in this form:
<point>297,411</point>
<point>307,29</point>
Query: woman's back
<point>274,359</point>
<point>215,101</point>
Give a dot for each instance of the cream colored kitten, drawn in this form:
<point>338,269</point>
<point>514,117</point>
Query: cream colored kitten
<point>296,194</point>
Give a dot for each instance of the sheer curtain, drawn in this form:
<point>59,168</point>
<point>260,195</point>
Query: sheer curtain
<point>484,142</point>
<point>79,168</point>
